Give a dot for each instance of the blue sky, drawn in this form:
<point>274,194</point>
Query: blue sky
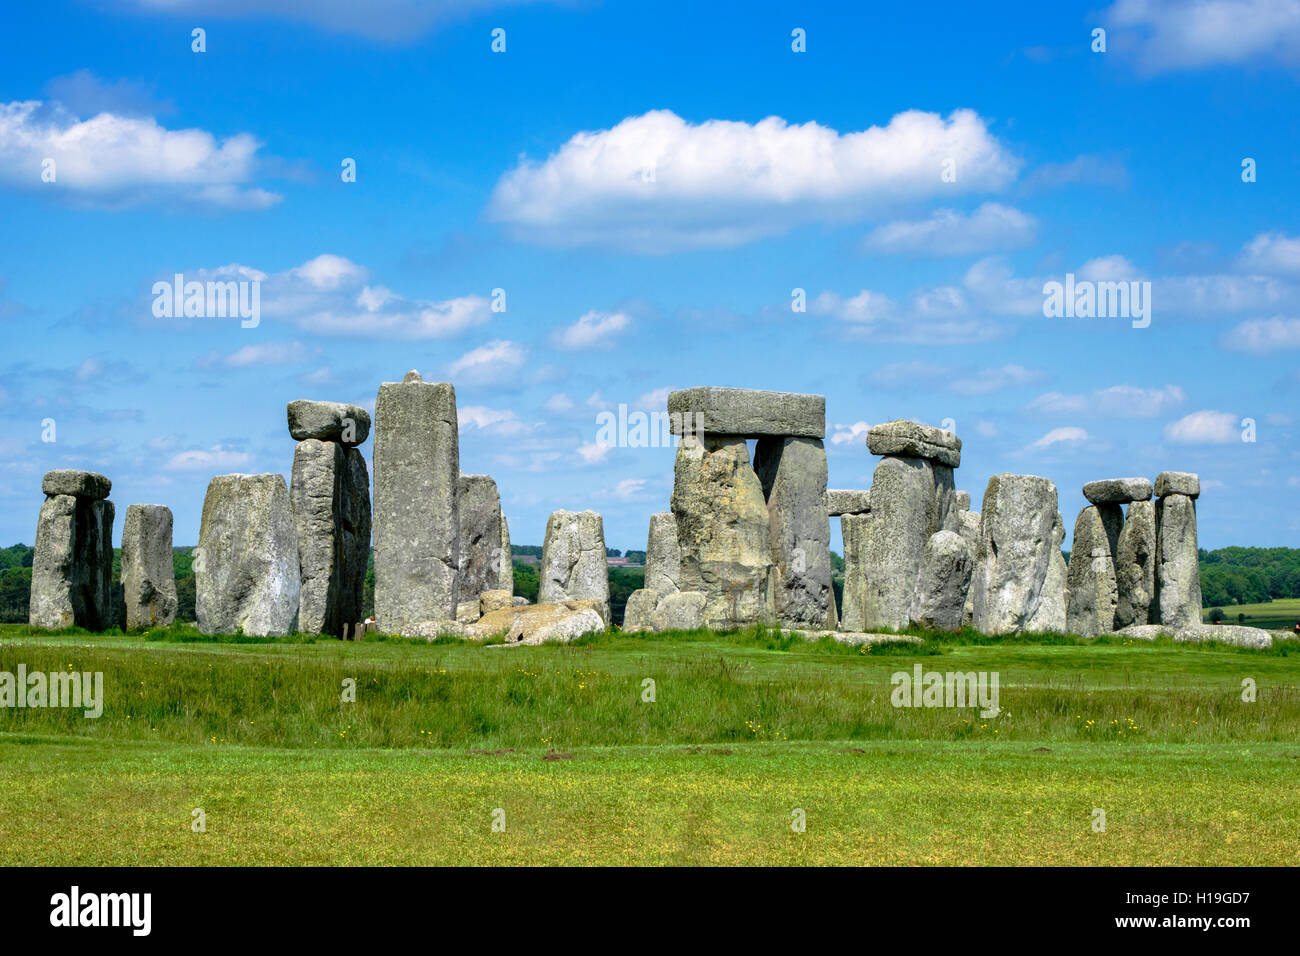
<point>648,183</point>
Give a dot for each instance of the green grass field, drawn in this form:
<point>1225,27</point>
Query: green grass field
<point>744,730</point>
<point>1282,613</point>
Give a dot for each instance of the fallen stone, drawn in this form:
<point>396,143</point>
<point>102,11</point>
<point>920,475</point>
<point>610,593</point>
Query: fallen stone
<point>537,623</point>
<point>330,495</point>
<point>246,563</point>
<point>574,565</point>
<point>519,601</point>
<point>432,630</point>
<point>416,511</point>
<point>1017,539</point>
<point>1135,565</point>
<point>855,638</point>
<point>682,611</point>
<point>1178,483</point>
<point>723,529</point>
<point>1117,490</point>
<point>913,440</point>
<point>1090,589</point>
<point>1178,574</point>
<point>638,615</point>
<point>843,501</point>
<point>494,600</point>
<point>328,421</point>
<point>942,583</point>
<point>467,612</point>
<point>79,484</point>
<point>480,535</point>
<point>663,555</point>
<point>792,472</point>
<point>747,411</point>
<point>72,564</point>
<point>148,577</point>
<point>1226,634</point>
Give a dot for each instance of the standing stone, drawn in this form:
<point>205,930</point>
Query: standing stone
<point>506,565</point>
<point>943,582</point>
<point>1050,616</point>
<point>416,515</point>
<point>1135,565</point>
<point>330,495</point>
<point>853,528</point>
<point>1090,589</point>
<point>574,565</point>
<point>72,563</point>
<point>638,615</point>
<point>246,574</point>
<point>1178,574</point>
<point>480,536</point>
<point>663,555</point>
<point>969,528</point>
<point>723,530</point>
<point>1017,539</point>
<point>148,575</point>
<point>911,499</point>
<point>792,472</point>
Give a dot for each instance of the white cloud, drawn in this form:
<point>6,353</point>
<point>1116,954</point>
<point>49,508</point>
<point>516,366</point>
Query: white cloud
<point>593,330</point>
<point>989,380</point>
<point>630,489</point>
<point>1118,401</point>
<point>655,400</point>
<point>1070,434</point>
<point>1271,253</point>
<point>501,421</point>
<point>1082,170</point>
<point>655,182</point>
<point>857,432</point>
<point>1263,336</point>
<point>1174,34</point>
<point>559,403</point>
<point>950,233</point>
<point>218,456</point>
<point>593,452</point>
<point>494,362</point>
<point>111,159</point>
<point>1204,428</point>
<point>261,354</point>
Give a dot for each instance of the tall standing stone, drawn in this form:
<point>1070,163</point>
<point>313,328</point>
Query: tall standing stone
<point>723,529</point>
<point>416,514</point>
<point>663,555</point>
<point>792,472</point>
<point>1135,565</point>
<point>246,573</point>
<point>1050,616</point>
<point>1017,539</point>
<point>72,563</point>
<point>943,582</point>
<point>574,562</point>
<point>480,536</point>
<point>330,495</point>
<point>853,612</point>
<point>1178,575</point>
<point>506,562</point>
<point>148,573</point>
<point>1090,589</point>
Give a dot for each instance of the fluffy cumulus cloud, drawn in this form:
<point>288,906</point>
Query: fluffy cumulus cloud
<point>848,434</point>
<point>261,354</point>
<point>1070,435</point>
<point>1117,401</point>
<point>1176,34</point>
<point>493,363</point>
<point>1263,336</point>
<point>116,160</point>
<point>1271,253</point>
<point>593,330</point>
<point>1204,428</point>
<point>950,233</point>
<point>657,183</point>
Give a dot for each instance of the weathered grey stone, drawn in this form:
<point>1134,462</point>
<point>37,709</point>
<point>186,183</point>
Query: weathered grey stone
<point>1226,634</point>
<point>682,611</point>
<point>537,623</point>
<point>1117,490</point>
<point>432,630</point>
<point>494,600</point>
<point>330,494</point>
<point>792,472</point>
<point>506,568</point>
<point>79,484</point>
<point>663,555</point>
<point>1178,483</point>
<point>1090,589</point>
<point>943,582</point>
<point>480,535</point>
<point>962,501</point>
<point>852,612</point>
<point>638,615</point>
<point>845,501</point>
<point>416,515</point>
<point>854,639</point>
<point>519,601</point>
<point>1178,573</point>
<point>747,411</point>
<point>1050,616</point>
<point>911,499</point>
<point>72,567</point>
<point>246,563</point>
<point>328,421</point>
<point>148,577</point>
<point>723,530</point>
<point>1135,565</point>
<point>914,440</point>
<point>467,612</point>
<point>1017,540</point>
<point>969,528</point>
<point>574,565</point>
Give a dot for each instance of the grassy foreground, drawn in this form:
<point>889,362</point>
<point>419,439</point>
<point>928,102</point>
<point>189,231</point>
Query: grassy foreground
<point>744,730</point>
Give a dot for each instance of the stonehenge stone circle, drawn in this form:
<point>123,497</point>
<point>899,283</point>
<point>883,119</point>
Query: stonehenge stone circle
<point>638,614</point>
<point>1017,539</point>
<point>72,563</point>
<point>1050,613</point>
<point>505,564</point>
<point>854,528</point>
<point>330,495</point>
<point>1178,575</point>
<point>943,582</point>
<point>481,546</point>
<point>907,439</point>
<point>573,560</point>
<point>1178,483</point>
<point>746,411</point>
<point>1091,591</point>
<point>246,572</point>
<point>663,555</point>
<point>148,577</point>
<point>963,500</point>
<point>1135,565</point>
<point>1119,491</point>
<point>416,513</point>
<point>328,421</point>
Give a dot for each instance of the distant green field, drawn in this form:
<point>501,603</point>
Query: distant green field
<point>1271,615</point>
<point>744,730</point>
